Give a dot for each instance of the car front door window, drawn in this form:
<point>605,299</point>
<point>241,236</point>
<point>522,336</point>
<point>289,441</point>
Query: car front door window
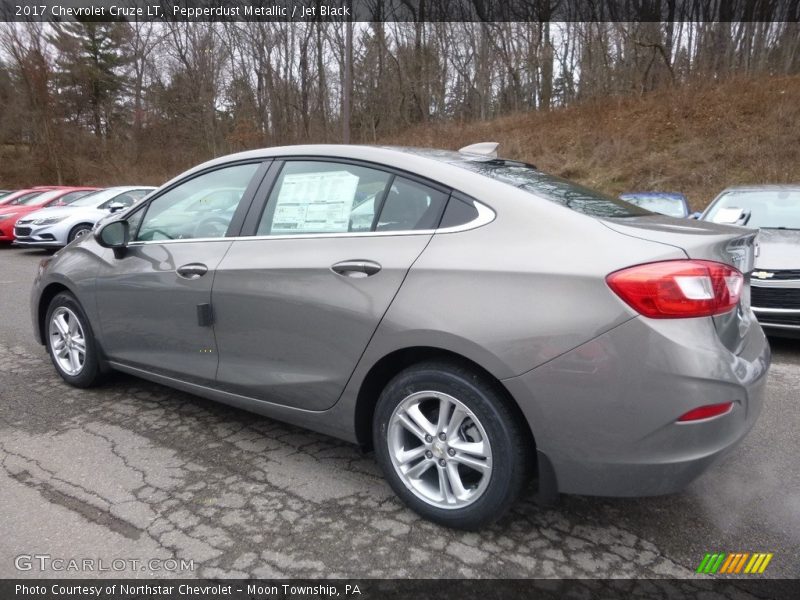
<point>202,207</point>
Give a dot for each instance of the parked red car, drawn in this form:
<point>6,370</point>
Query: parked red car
<point>27,192</point>
<point>35,199</point>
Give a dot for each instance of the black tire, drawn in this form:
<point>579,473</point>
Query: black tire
<point>78,230</point>
<point>510,449</point>
<point>90,373</point>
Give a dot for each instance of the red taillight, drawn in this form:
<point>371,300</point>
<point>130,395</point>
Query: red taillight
<point>679,288</point>
<point>706,412</point>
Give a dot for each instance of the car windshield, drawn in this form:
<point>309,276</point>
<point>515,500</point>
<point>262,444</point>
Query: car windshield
<point>561,191</point>
<point>98,198</point>
<point>666,205</point>
<point>37,199</point>
<point>761,209</point>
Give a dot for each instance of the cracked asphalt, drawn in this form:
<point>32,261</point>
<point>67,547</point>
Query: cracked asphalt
<point>134,470</point>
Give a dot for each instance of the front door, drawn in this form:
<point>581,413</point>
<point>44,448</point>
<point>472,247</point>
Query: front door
<point>154,300</point>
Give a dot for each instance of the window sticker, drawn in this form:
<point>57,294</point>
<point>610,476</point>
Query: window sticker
<point>315,202</point>
<point>728,215</point>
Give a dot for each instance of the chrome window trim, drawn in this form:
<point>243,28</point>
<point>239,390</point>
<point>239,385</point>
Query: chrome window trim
<point>137,243</point>
<point>485,216</point>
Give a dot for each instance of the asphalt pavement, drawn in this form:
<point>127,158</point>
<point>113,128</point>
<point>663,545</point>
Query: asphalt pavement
<point>133,471</point>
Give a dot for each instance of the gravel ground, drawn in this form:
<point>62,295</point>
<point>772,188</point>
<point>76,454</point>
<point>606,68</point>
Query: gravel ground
<point>134,471</point>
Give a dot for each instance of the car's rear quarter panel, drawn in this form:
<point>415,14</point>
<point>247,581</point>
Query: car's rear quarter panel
<point>517,292</point>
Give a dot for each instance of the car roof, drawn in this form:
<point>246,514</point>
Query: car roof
<point>443,166</point>
<point>351,151</point>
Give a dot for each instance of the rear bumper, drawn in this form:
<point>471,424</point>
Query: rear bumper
<point>604,415</point>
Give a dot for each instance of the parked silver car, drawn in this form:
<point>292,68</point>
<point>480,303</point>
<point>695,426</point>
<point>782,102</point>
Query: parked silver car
<point>57,226</point>
<point>488,322</point>
<point>775,211</point>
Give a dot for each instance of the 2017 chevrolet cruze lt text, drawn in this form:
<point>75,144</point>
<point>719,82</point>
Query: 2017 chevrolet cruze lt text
<point>474,320</point>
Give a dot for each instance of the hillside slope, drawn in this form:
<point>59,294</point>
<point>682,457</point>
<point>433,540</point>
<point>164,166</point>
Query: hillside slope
<point>694,139</point>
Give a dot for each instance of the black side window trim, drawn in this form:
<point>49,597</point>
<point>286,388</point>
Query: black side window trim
<point>235,226</point>
<point>381,203</point>
<point>262,195</point>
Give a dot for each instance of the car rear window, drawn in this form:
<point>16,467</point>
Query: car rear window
<point>561,191</point>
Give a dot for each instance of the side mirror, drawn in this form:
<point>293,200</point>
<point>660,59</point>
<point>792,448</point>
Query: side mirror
<point>114,235</point>
<point>116,207</point>
<point>695,215</point>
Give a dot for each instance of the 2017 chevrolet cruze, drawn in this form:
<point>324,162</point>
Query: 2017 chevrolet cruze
<point>473,319</point>
<point>57,226</point>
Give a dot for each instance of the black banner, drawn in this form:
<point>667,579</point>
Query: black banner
<point>383,589</point>
<point>403,10</point>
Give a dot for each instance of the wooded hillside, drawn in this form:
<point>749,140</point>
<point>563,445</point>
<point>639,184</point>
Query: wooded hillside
<point>687,105</point>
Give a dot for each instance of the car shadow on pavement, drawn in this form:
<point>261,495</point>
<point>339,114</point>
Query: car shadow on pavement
<point>244,495</point>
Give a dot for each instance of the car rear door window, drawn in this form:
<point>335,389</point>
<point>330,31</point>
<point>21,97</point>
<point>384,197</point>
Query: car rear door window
<point>314,197</point>
<point>202,207</point>
<point>322,197</point>
<point>411,206</point>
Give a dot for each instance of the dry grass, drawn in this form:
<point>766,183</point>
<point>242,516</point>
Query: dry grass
<point>695,139</point>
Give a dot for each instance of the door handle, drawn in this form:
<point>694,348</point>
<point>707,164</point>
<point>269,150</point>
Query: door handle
<point>356,268</point>
<point>192,271</point>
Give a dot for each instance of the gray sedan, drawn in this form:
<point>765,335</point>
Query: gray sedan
<point>473,320</point>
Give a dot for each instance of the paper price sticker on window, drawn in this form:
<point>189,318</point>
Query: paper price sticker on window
<point>315,202</point>
<point>728,215</point>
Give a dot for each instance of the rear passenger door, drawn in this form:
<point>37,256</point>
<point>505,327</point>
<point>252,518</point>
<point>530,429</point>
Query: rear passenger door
<point>297,302</point>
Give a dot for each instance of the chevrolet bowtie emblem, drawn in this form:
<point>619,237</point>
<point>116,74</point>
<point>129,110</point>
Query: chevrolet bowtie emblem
<point>763,274</point>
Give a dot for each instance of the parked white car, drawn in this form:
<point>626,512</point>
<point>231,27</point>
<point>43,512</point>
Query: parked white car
<point>58,226</point>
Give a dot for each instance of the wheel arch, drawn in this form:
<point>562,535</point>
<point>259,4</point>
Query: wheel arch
<point>393,363</point>
<point>76,225</point>
<point>47,295</point>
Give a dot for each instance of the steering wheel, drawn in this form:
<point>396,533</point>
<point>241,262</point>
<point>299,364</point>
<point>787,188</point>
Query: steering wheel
<point>152,233</point>
<point>211,227</point>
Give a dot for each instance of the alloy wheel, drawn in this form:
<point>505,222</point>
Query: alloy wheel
<point>439,449</point>
<point>67,341</point>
